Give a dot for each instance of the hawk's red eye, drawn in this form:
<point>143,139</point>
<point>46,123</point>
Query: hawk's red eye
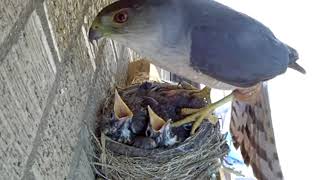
<point>121,16</point>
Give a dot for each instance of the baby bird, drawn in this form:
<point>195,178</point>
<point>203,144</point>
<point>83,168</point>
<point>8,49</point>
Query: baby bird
<point>124,124</point>
<point>118,127</point>
<point>160,130</point>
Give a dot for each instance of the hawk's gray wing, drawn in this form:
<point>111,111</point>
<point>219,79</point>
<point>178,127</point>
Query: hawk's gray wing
<point>234,48</point>
<point>252,131</point>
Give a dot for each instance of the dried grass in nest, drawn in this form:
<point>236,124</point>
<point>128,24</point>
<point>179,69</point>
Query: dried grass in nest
<point>198,157</point>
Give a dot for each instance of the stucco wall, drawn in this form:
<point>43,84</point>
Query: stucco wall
<point>52,82</point>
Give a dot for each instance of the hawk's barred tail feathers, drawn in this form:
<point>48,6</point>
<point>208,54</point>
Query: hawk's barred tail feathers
<point>252,131</point>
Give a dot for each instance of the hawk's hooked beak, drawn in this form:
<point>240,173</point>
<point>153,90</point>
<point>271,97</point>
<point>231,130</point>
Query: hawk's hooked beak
<point>156,122</point>
<point>121,110</point>
<point>94,34</point>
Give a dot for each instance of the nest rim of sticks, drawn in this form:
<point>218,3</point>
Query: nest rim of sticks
<point>197,157</point>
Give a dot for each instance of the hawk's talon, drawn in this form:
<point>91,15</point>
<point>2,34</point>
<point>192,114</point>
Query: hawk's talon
<point>199,120</point>
<point>188,111</point>
<point>198,115</point>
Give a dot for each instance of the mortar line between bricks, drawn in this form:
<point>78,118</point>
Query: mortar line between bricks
<point>46,29</point>
<point>75,160</point>
<point>14,33</point>
<point>43,124</point>
<point>74,36</point>
<point>52,94</point>
<point>44,119</point>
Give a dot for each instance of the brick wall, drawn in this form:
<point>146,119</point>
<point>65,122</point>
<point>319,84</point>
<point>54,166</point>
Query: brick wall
<point>52,82</point>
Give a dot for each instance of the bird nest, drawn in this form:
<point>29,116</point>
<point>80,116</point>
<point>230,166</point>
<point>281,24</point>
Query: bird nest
<point>196,157</point>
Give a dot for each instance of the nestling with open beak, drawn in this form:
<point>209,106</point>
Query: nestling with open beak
<point>125,125</point>
<point>160,130</point>
<point>118,128</point>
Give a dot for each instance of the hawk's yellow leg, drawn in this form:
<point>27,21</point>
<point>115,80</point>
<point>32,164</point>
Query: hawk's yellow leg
<point>198,115</point>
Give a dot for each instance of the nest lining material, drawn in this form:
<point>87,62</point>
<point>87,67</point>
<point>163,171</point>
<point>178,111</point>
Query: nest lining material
<point>198,157</point>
